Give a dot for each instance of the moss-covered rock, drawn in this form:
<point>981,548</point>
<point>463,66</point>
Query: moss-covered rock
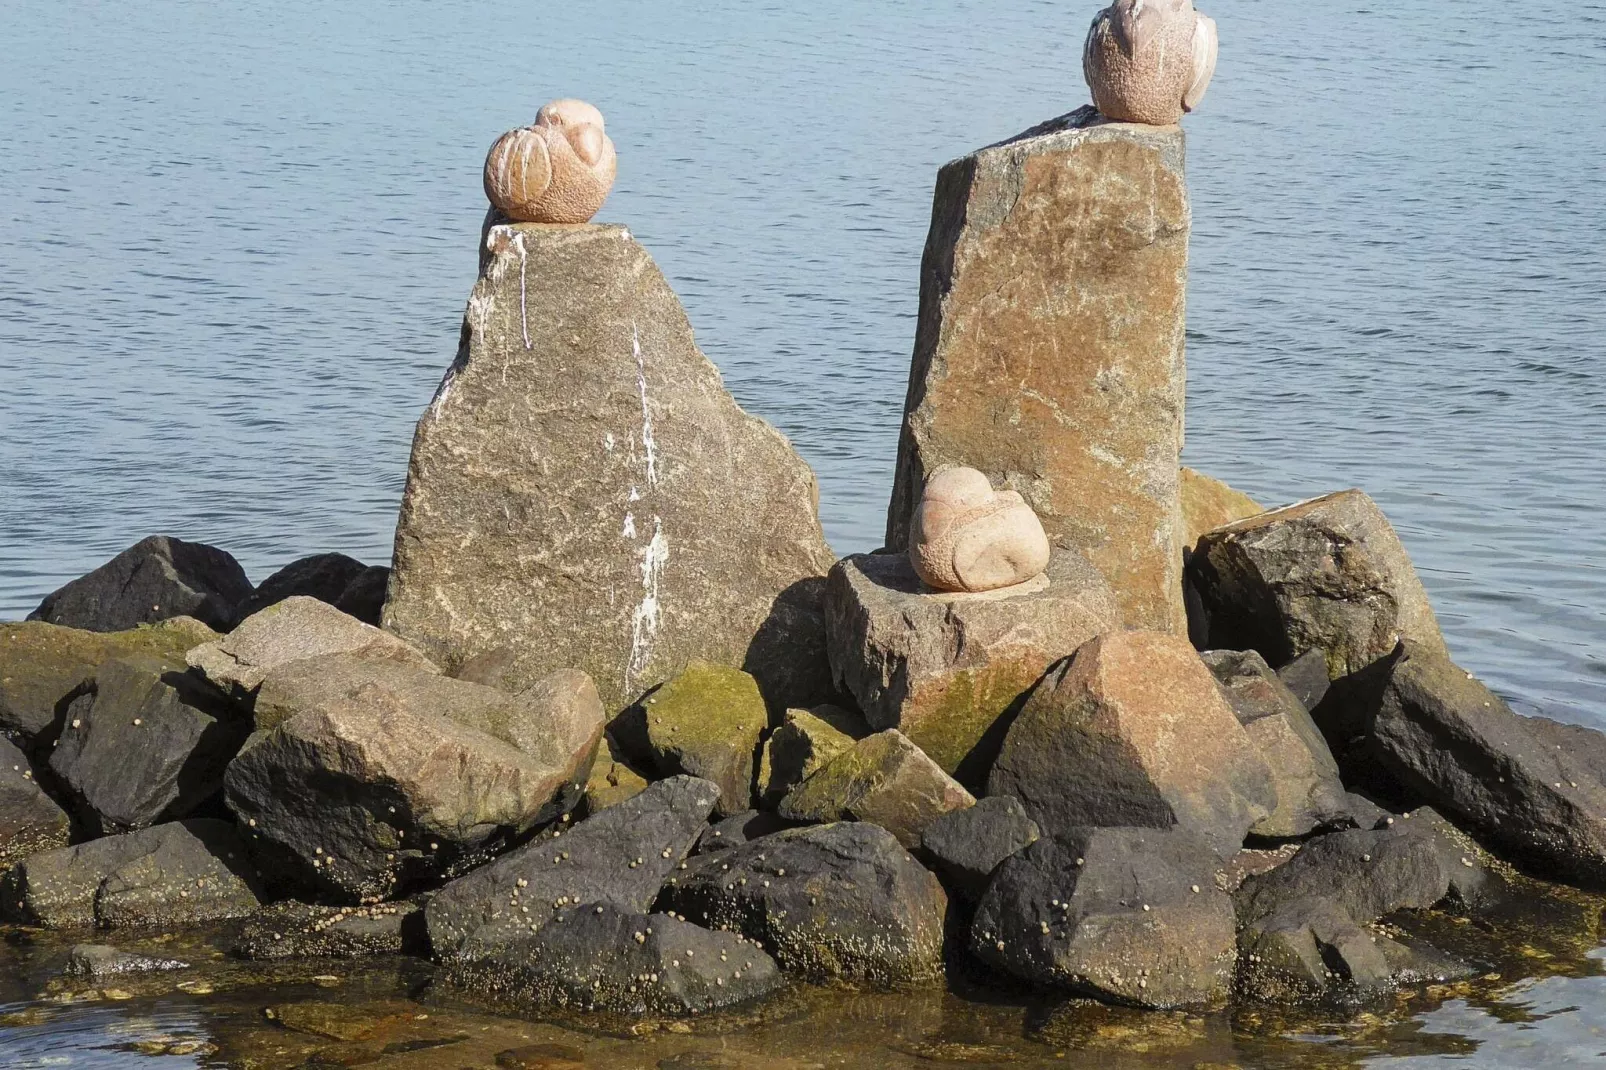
<point>800,747</point>
<point>883,779</point>
<point>612,780</point>
<point>707,722</point>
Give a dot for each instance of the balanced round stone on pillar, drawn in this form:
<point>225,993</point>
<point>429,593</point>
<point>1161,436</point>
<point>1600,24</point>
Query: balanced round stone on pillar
<point>1149,61</point>
<point>969,537</point>
<point>559,169</point>
<point>1049,346</point>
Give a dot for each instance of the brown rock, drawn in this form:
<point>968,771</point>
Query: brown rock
<point>945,668</point>
<point>883,779</point>
<point>584,492</point>
<point>1208,504</point>
<point>1132,730</point>
<point>1049,349</point>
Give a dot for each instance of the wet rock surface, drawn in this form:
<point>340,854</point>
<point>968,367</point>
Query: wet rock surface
<point>966,846</point>
<point>883,779</point>
<point>945,669</point>
<point>1133,731</point>
<point>181,873</point>
<point>840,900</point>
<point>30,820</point>
<point>290,929</point>
<point>155,579</point>
<point>620,857</point>
<point>1125,914</point>
<point>598,957</point>
<point>99,962</point>
<point>707,722</point>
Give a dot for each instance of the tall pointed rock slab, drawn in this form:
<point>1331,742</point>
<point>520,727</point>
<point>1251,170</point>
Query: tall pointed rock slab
<point>1049,348</point>
<point>584,493</point>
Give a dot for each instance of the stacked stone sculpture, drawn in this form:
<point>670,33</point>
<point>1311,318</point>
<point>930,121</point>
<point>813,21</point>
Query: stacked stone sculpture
<point>967,536</point>
<point>1149,61</point>
<point>557,170</point>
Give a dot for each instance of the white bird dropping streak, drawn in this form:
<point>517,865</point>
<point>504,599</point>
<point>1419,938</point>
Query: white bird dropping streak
<point>646,413</point>
<point>654,556</point>
<point>524,316</point>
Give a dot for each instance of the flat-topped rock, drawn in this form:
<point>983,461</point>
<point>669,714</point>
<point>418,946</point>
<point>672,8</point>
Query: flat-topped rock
<point>1049,348</point>
<point>585,493</point>
<point>942,667</point>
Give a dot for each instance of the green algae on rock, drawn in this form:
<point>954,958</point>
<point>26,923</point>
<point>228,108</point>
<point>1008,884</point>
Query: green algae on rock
<point>707,722</point>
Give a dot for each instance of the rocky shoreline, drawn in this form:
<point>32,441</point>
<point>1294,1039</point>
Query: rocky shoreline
<point>617,736</point>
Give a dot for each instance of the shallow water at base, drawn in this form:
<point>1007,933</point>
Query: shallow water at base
<point>237,241</point>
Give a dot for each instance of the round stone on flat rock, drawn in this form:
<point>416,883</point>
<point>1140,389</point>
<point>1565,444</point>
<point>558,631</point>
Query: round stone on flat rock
<point>968,537</point>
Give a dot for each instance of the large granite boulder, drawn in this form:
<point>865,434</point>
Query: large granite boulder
<point>883,779</point>
<point>584,492</point>
<point>946,668</point>
<point>841,900</point>
<point>1454,744</point>
<point>619,857</point>
<point>1327,574</point>
<point>181,873</point>
<point>155,579</point>
<point>801,746</point>
<point>292,629</point>
<point>966,846</point>
<point>388,781</point>
<point>707,722</point>
<point>1049,348</point>
<point>1130,915</point>
<point>1309,792</point>
<point>30,820</point>
<point>1208,504</point>
<point>43,667</point>
<point>1133,731</point>
<point>144,745</point>
<point>596,957</point>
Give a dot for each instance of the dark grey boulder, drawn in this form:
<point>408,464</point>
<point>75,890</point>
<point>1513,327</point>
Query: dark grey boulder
<point>1582,744</point>
<point>145,744</point>
<point>739,829</point>
<point>156,578</point>
<point>98,962</point>
<point>1309,793</point>
<point>840,900</point>
<point>596,957</point>
<point>181,873</point>
<point>1455,745</point>
<point>1306,677</point>
<point>965,846</point>
<point>291,929</point>
<point>322,576</point>
<point>364,596</point>
<point>619,857</point>
<point>1128,915</point>
<point>30,820</point>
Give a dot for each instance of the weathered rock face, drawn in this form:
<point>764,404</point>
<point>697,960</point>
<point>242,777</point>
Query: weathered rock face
<point>136,880</point>
<point>613,780</point>
<point>1454,744</point>
<point>1125,914</point>
<point>145,745</point>
<point>883,779</point>
<point>43,667</point>
<point>1304,775</point>
<point>707,722</point>
<point>300,930</point>
<point>966,846</point>
<point>1133,731</point>
<point>619,857</point>
<point>376,786</point>
<point>293,629</point>
<point>364,597</point>
<point>1326,574</point>
<point>321,576</point>
<point>584,492</point>
<point>599,958</point>
<point>797,750</point>
<point>30,821</point>
<point>944,669</point>
<point>841,900</point>
<point>1049,350</point>
<point>1208,504</point>
<point>155,579</point>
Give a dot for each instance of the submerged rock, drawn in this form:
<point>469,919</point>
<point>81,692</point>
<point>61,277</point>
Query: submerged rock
<point>97,962</point>
<point>799,748</point>
<point>841,900</point>
<point>30,820</point>
<point>946,669</point>
<point>300,930</point>
<point>1454,744</point>
<point>707,722</point>
<point>1049,348</point>
<point>1133,730</point>
<point>966,846</point>
<point>596,957</point>
<point>619,857</point>
<point>883,779</point>
<point>322,576</point>
<point>155,579</point>
<point>182,873</point>
<point>584,492</point>
<point>1304,775</point>
<point>1130,915</point>
<point>145,745</point>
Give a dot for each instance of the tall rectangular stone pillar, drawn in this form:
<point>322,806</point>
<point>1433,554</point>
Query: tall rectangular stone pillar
<point>1049,348</point>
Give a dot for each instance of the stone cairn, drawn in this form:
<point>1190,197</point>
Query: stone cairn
<point>650,748</point>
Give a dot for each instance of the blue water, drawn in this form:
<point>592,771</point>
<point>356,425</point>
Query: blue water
<point>236,239</point>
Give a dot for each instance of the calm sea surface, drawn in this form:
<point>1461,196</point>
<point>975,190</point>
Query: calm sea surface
<point>236,240</point>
